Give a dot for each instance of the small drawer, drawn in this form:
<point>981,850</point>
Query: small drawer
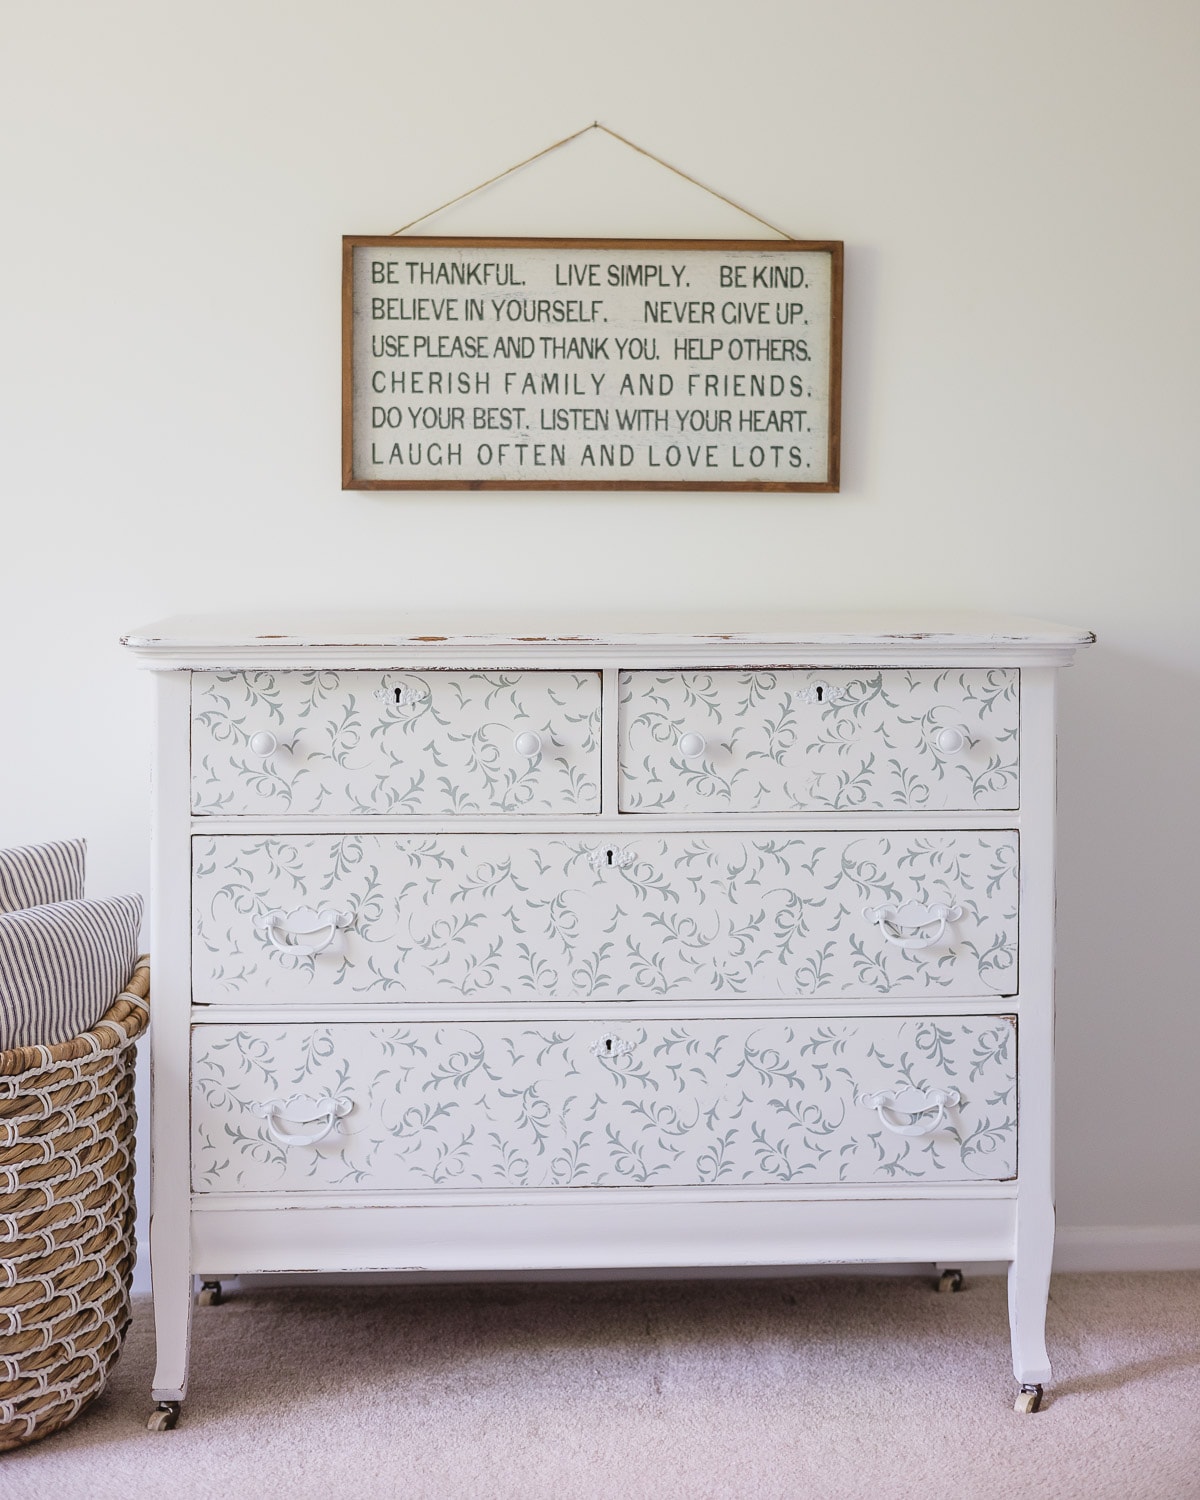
<point>606,1103</point>
<point>395,742</point>
<point>801,741</point>
<point>502,918</point>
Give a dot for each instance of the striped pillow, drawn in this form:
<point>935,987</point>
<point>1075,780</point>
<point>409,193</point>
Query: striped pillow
<point>62,966</point>
<point>41,874</point>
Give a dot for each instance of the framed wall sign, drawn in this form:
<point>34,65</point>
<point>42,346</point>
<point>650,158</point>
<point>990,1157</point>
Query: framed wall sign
<point>590,364</point>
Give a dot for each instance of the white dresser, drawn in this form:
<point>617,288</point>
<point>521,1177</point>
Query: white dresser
<point>504,943</point>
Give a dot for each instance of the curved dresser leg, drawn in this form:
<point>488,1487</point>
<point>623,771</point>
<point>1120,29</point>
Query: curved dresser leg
<point>172,1329</point>
<point>1028,1294</point>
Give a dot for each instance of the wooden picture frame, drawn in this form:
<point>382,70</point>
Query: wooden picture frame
<point>600,364</point>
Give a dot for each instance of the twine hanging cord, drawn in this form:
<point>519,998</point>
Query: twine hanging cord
<point>566,141</point>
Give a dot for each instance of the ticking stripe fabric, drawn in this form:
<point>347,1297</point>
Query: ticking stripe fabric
<point>62,966</point>
<point>41,875</point>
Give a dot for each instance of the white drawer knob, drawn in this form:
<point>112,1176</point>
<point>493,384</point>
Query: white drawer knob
<point>691,746</point>
<point>529,744</point>
<point>950,740</point>
<point>264,743</point>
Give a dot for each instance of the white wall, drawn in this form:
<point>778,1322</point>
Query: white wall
<point>1015,185</point>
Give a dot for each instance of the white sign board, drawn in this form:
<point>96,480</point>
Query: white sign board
<point>597,364</point>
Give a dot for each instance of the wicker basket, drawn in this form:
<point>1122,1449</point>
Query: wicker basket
<point>66,1217</point>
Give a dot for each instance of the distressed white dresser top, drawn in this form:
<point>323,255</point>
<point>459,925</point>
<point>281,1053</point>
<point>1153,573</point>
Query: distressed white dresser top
<point>710,637</point>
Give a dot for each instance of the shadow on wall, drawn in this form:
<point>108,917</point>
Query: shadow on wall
<point>1129,920</point>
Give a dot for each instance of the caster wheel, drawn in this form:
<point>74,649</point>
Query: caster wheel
<point>209,1294</point>
<point>950,1281</point>
<point>163,1417</point>
<point>1029,1398</point>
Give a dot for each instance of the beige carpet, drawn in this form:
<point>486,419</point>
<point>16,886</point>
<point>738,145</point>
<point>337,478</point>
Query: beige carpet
<point>810,1389</point>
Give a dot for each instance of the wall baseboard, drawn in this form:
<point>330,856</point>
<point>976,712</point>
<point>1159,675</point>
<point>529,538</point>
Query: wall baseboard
<point>1122,1247</point>
<point>1087,1247</point>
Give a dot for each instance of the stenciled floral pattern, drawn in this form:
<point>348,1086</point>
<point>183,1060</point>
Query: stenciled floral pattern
<point>848,741</point>
<point>395,742</point>
<point>600,1104</point>
<point>688,916</point>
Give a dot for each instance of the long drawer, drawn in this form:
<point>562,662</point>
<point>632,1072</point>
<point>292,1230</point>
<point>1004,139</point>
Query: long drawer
<point>604,1103</point>
<point>846,741</point>
<point>495,917</point>
<point>272,743</point>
